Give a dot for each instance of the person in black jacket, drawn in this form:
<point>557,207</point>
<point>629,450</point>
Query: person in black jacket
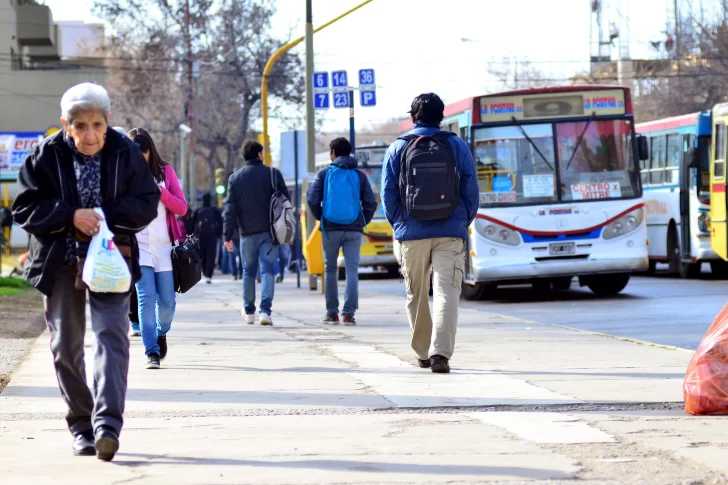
<point>346,237</point>
<point>248,206</point>
<point>61,181</point>
<point>207,222</point>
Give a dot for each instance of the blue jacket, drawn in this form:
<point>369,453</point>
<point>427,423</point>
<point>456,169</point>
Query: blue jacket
<point>369,204</point>
<point>410,229</point>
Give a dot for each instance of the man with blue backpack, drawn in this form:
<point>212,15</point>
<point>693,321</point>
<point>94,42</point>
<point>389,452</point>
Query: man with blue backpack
<point>430,196</point>
<point>342,199</point>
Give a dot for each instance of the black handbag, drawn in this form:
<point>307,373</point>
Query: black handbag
<point>186,264</point>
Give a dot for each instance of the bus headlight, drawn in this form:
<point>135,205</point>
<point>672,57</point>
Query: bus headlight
<point>624,225</point>
<point>497,233</point>
<point>704,222</point>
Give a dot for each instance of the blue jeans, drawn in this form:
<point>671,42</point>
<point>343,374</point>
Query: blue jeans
<point>155,292</point>
<point>226,265</point>
<point>256,249</point>
<point>350,242</point>
<point>282,258</point>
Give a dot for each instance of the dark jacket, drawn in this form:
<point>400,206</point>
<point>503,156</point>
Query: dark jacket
<point>247,204</point>
<point>47,200</point>
<point>216,214</point>
<point>408,229</point>
<point>369,204</point>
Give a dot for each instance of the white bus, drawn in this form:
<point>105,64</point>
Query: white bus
<point>560,192</point>
<point>676,183</point>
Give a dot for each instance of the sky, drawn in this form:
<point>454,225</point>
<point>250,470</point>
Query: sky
<point>416,46</point>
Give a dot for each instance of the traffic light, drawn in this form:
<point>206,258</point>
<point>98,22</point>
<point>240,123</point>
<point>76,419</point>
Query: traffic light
<point>220,185</point>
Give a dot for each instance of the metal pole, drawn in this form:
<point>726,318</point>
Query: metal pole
<point>352,132</point>
<point>297,209</point>
<point>184,165</point>
<point>310,121</point>
<point>192,166</point>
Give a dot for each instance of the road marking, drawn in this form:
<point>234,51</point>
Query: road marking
<point>554,428</point>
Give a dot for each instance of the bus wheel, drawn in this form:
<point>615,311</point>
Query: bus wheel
<point>690,270</point>
<point>562,284</point>
<point>393,271</point>
<point>719,269</point>
<point>475,292</point>
<point>608,285</point>
<point>541,286</point>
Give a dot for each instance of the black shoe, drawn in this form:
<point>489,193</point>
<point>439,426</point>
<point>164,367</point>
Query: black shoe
<point>83,444</point>
<point>162,342</point>
<point>107,443</point>
<point>424,364</point>
<point>439,364</point>
<point>153,361</point>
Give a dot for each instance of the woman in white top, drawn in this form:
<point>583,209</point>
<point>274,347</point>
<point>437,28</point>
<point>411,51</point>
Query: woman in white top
<point>155,290</point>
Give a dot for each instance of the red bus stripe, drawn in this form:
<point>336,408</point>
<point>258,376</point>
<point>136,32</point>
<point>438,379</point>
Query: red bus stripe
<point>556,233</point>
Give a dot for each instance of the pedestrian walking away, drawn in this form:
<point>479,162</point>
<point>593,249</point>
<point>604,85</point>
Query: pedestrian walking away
<point>430,214</point>
<point>247,206</point>
<point>155,290</point>
<point>208,227</point>
<point>87,165</point>
<point>342,199</point>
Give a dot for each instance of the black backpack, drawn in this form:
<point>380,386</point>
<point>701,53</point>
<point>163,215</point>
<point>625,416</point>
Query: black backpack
<point>207,223</point>
<point>429,183</point>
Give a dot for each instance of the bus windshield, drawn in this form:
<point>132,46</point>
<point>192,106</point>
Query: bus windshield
<point>594,160</point>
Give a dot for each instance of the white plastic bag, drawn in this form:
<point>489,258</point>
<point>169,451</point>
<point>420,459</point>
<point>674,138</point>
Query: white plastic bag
<point>105,270</point>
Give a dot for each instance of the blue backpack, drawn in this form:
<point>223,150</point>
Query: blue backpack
<point>341,204</point>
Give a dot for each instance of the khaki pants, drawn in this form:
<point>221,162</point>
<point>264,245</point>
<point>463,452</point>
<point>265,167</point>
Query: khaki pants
<point>446,257</point>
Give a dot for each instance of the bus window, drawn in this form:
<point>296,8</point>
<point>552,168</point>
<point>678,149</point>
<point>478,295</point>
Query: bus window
<point>374,175</point>
<point>674,154</point>
<point>657,160</point>
<point>596,152</point>
<point>704,169</point>
<point>719,171</point>
<point>645,172</point>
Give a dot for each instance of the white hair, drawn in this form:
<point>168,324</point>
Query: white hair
<point>84,97</point>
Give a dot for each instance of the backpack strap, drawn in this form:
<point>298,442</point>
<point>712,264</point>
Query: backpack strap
<point>273,182</point>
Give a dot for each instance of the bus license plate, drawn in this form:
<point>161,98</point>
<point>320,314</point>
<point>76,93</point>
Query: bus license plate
<point>557,249</point>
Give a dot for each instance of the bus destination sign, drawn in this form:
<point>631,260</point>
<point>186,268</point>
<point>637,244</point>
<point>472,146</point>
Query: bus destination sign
<point>608,102</point>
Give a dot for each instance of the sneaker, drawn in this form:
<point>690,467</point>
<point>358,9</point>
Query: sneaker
<point>349,320</point>
<point>208,280</point>
<point>133,332</point>
<point>162,342</point>
<point>249,318</point>
<point>279,279</point>
<point>329,319</point>
<point>265,319</point>
<point>153,361</point>
<point>423,363</point>
<point>439,364</point>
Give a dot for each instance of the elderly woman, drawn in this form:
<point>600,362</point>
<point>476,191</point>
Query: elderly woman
<point>62,180</point>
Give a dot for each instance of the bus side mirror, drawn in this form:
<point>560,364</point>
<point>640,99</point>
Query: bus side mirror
<point>643,148</point>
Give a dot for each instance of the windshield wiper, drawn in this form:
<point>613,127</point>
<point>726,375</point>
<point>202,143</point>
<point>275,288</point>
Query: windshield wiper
<point>531,142</point>
<point>576,148</point>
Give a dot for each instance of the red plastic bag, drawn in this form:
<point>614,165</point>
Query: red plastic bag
<point>705,389</point>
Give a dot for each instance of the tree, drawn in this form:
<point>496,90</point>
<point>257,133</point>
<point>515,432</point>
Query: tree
<point>230,40</point>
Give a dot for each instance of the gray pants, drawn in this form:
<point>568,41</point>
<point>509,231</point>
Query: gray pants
<point>65,313</point>
<point>446,257</point>
<point>350,243</point>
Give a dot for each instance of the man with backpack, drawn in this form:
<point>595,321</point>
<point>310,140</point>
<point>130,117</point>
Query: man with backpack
<point>208,227</point>
<point>430,196</point>
<point>342,199</point>
<point>255,198</point>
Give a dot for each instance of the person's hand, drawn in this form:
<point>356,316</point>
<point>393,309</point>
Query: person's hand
<point>229,246</point>
<point>87,221</point>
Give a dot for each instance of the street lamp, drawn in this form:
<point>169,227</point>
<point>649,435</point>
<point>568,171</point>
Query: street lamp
<point>466,40</point>
<point>187,176</point>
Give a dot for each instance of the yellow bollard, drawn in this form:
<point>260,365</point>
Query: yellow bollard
<point>314,253</point>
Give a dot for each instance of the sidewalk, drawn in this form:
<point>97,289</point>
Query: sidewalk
<point>304,403</point>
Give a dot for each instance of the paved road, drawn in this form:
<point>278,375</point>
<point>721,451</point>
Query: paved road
<point>659,309</point>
